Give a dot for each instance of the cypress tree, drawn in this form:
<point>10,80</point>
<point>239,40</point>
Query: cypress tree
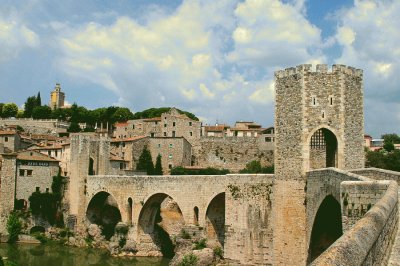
<point>158,168</point>
<point>145,162</point>
<point>38,100</point>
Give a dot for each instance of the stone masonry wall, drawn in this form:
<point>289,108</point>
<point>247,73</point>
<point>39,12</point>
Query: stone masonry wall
<point>42,177</point>
<point>7,188</point>
<point>248,235</point>
<point>231,153</point>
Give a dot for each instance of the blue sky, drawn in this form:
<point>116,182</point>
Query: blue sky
<point>213,58</point>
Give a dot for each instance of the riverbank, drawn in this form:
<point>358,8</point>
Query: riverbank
<point>57,254</point>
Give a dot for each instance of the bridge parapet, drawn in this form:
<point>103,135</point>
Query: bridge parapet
<point>370,240</point>
<point>378,174</point>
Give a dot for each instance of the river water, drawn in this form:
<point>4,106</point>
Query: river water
<point>58,255</point>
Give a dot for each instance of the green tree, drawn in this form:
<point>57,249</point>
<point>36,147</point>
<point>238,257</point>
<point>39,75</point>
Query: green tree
<point>122,114</point>
<point>156,112</point>
<point>29,105</point>
<point>145,162</point>
<point>10,110</point>
<point>38,100</point>
<point>158,168</point>
<point>74,128</point>
<point>41,112</point>
<point>14,227</point>
<point>388,146</point>
<point>392,138</point>
<point>1,109</point>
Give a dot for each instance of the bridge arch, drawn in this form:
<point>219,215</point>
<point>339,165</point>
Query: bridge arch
<point>103,210</point>
<point>322,148</point>
<point>215,219</point>
<point>159,220</point>
<point>327,227</point>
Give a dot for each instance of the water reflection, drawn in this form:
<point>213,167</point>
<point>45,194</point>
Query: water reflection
<point>54,254</point>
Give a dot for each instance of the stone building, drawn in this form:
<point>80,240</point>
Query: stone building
<point>169,124</point>
<point>57,97</point>
<point>10,139</point>
<point>319,123</point>
<point>34,172</point>
<point>174,152</point>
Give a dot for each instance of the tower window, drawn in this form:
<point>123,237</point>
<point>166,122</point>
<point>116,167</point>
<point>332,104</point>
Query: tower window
<point>314,101</point>
<point>331,100</point>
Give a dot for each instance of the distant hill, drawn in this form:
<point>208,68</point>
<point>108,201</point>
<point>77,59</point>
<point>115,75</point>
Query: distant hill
<point>156,112</point>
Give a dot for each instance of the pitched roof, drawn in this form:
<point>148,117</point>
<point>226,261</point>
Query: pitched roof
<point>7,132</point>
<point>218,128</point>
<point>34,156</point>
<point>128,139</point>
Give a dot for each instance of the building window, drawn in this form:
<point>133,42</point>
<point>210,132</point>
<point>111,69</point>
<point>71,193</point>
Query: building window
<point>268,139</point>
<point>170,145</point>
<point>123,154</point>
<point>6,139</point>
<point>165,134</point>
<point>190,123</point>
<point>191,133</point>
<point>314,101</point>
<point>21,172</point>
<point>165,125</point>
<point>47,190</point>
<point>121,166</point>
<point>152,135</point>
<point>173,124</point>
<point>37,189</point>
<point>170,156</point>
<point>170,166</point>
<point>159,145</point>
<point>133,126</point>
<point>330,100</point>
<point>173,134</point>
<point>29,172</point>
<point>123,144</point>
<point>56,153</point>
<point>49,153</point>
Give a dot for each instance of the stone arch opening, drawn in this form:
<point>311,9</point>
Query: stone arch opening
<point>103,210</point>
<point>37,229</point>
<point>215,219</point>
<point>159,221</point>
<point>196,215</point>
<point>323,149</point>
<point>130,203</point>
<point>327,227</point>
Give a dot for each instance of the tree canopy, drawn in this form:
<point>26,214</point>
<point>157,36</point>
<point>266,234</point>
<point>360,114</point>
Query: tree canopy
<point>145,162</point>
<point>158,168</point>
<point>156,112</point>
<point>9,110</point>
<point>255,167</point>
<point>392,138</point>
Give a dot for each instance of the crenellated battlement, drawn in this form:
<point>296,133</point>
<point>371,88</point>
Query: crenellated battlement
<point>320,68</point>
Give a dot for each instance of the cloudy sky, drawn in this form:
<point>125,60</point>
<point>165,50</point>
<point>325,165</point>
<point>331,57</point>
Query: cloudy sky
<point>213,58</point>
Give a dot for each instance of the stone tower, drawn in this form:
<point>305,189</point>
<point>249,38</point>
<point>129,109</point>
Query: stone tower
<point>57,97</point>
<point>319,123</point>
<point>90,156</point>
<point>8,187</point>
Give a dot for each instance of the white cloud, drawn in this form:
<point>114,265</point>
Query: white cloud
<point>196,57</point>
<point>270,32</point>
<point>14,36</point>
<point>369,35</point>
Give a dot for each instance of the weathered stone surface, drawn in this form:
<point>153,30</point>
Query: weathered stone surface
<point>205,256</point>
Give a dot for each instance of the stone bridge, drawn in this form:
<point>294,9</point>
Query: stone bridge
<point>237,211</point>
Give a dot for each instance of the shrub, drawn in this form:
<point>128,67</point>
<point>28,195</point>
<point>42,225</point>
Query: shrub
<point>189,260</point>
<point>40,236</point>
<point>206,171</point>
<point>200,244</point>
<point>184,234</point>
<point>218,252</point>
<point>14,227</point>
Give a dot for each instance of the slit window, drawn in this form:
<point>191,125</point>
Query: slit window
<point>331,100</point>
